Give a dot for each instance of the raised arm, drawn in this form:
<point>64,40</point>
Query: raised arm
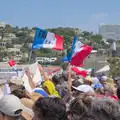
<point>69,79</point>
<point>30,77</point>
<point>43,72</point>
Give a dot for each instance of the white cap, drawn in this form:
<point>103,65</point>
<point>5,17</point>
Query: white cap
<point>84,88</point>
<point>11,105</point>
<point>104,78</point>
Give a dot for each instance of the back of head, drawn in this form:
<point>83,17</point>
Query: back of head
<point>102,109</point>
<point>20,93</point>
<point>56,80</point>
<point>105,109</point>
<point>50,109</point>
<point>14,86</point>
<point>79,106</point>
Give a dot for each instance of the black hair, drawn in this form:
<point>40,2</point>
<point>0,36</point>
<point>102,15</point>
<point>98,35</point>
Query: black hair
<point>56,80</point>
<point>50,109</point>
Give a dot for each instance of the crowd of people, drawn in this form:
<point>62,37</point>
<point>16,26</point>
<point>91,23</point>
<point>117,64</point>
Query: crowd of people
<point>64,96</point>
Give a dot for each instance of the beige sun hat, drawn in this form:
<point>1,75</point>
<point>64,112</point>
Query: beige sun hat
<point>17,81</point>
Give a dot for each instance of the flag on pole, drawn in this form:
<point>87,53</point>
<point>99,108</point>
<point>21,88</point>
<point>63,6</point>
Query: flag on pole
<point>45,39</point>
<point>70,53</point>
<point>80,52</point>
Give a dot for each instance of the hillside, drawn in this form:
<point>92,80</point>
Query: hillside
<point>17,41</point>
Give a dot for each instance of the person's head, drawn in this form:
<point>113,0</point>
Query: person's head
<point>88,80</point>
<point>14,86</point>
<point>102,109</point>
<point>111,91</point>
<point>20,93</point>
<point>10,108</point>
<point>79,106</point>
<point>117,81</point>
<point>76,83</point>
<point>83,90</point>
<point>99,91</point>
<point>103,80</point>
<point>55,80</point>
<point>105,109</point>
<point>49,109</point>
<point>65,76</point>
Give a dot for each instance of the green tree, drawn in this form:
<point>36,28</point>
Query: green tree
<point>114,63</point>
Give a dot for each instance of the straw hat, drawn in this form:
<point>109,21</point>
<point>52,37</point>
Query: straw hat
<point>17,81</point>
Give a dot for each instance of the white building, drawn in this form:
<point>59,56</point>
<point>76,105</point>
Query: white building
<point>9,37</point>
<point>17,46</point>
<point>46,59</point>
<point>13,50</point>
<point>110,32</point>
<point>3,44</point>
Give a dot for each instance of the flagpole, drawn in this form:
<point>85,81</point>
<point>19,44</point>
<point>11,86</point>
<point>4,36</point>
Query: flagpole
<point>30,56</point>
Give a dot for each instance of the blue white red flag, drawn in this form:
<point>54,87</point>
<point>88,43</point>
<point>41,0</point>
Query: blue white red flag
<point>45,39</point>
<point>78,54</point>
<point>70,53</point>
<point>81,51</point>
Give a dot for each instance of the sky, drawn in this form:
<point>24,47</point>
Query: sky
<point>83,14</point>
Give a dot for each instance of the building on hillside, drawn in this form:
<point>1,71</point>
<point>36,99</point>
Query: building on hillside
<point>110,32</point>
<point>13,50</point>
<point>2,24</point>
<point>3,44</point>
<point>9,37</point>
<point>18,46</point>
<point>25,55</point>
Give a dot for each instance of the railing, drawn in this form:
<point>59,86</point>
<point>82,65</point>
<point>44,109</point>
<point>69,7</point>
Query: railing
<point>6,73</point>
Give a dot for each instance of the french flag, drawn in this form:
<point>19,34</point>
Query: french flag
<point>80,52</point>
<point>70,53</point>
<point>81,71</point>
<point>45,39</point>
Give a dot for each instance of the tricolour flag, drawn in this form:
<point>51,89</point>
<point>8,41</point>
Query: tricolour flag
<point>81,71</point>
<point>70,53</point>
<point>45,39</point>
<point>80,52</point>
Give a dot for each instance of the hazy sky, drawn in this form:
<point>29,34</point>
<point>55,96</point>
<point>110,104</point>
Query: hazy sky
<point>83,14</point>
